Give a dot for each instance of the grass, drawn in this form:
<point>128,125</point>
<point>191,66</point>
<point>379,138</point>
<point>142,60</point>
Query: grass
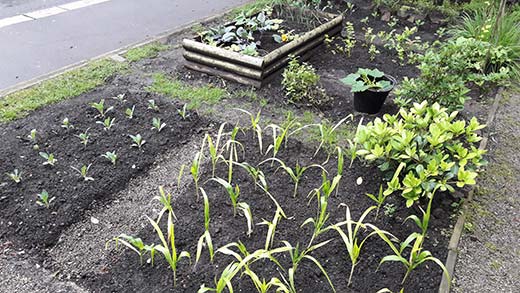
<point>70,84</point>
<point>194,96</point>
<point>147,51</point>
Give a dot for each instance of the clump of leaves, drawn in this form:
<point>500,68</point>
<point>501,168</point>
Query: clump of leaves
<point>107,123</point>
<point>137,140</point>
<point>83,137</point>
<point>153,106</point>
<point>111,156</point>
<point>100,107</point>
<point>301,84</point>
<point>120,98</point>
<point>129,112</point>
<point>422,149</point>
<point>233,192</point>
<point>16,176</point>
<point>157,125</point>
<point>32,135</point>
<point>49,158</point>
<point>44,199</point>
<point>365,79</point>
<point>135,244</point>
<point>66,124</point>
<point>83,171</point>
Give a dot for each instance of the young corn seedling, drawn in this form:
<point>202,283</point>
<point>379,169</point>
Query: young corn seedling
<point>262,286</point>
<point>351,239</point>
<point>183,112</point>
<point>214,148</point>
<point>206,237</point>
<point>157,125</point>
<point>233,192</point>
<point>32,135</point>
<point>255,173</point>
<point>49,159</point>
<point>166,200</point>
<point>111,156</point>
<point>83,137</point>
<point>379,199</point>
<point>271,227</point>
<point>321,217</point>
<point>255,126</point>
<point>246,210</point>
<point>231,147</point>
<point>425,221</point>
<point>129,112</point>
<point>195,171</point>
<point>83,171</point>
<point>416,257</point>
<point>43,199</point>
<point>100,107</point>
<point>66,124</point>
<point>16,176</point>
<point>296,173</point>
<point>167,247</point>
<point>327,186</point>
<point>328,134</point>
<point>136,245</point>
<point>137,140</point>
<point>153,106</point>
<point>107,123</point>
<point>297,256</point>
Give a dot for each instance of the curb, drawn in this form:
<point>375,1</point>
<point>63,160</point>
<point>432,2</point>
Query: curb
<point>453,246</point>
<point>114,54</point>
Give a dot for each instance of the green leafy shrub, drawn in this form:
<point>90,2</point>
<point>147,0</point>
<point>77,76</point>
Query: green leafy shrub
<point>447,71</point>
<point>301,84</point>
<point>425,148</point>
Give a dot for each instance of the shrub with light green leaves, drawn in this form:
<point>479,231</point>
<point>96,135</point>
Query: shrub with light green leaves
<point>301,84</point>
<point>422,149</point>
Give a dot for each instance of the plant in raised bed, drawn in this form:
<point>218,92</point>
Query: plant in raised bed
<point>83,172</point>
<point>137,140</point>
<point>84,137</point>
<point>129,112</point>
<point>370,88</point>
<point>100,107</point>
<point>49,158</point>
<point>435,150</point>
<point>43,199</point>
<point>16,176</point>
<point>301,84</point>
<point>206,237</point>
<point>153,106</point>
<point>107,123</point>
<point>111,156</point>
<point>66,124</point>
<point>157,125</point>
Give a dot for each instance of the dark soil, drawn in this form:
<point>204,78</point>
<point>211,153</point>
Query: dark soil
<point>33,227</point>
<point>124,273</point>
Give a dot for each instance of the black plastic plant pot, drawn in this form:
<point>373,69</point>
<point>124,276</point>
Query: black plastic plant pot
<point>371,100</point>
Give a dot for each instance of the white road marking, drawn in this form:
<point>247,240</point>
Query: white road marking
<point>13,20</point>
<point>42,13</point>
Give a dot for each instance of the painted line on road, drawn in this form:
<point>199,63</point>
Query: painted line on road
<point>46,12</point>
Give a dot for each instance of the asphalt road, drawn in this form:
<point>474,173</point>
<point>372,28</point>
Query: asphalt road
<point>39,46</point>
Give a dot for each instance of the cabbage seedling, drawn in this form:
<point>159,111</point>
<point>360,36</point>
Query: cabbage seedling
<point>15,176</point>
<point>183,112</point>
<point>43,199</point>
<point>157,125</point>
<point>84,137</point>
<point>100,107</point>
<point>138,140</point>
<point>66,124</point>
<point>111,156</point>
<point>50,160</point>
<point>206,237</point>
<point>153,106</point>
<point>120,98</point>
<point>129,112</point>
<point>32,135</point>
<point>83,171</point>
<point>233,192</point>
<point>107,123</point>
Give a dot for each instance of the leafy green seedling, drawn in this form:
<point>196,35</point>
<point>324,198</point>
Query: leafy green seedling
<point>183,112</point>
<point>379,199</point>
<point>120,98</point>
<point>83,171</point>
<point>49,158</point>
<point>43,199</point>
<point>233,192</point>
<point>138,141</point>
<point>107,123</point>
<point>153,106</point>
<point>16,176</point>
<point>66,124</point>
<point>32,135</point>
<point>129,112</point>
<point>100,107</point>
<point>83,137</point>
<point>365,79</point>
<point>157,125</point>
<point>111,156</point>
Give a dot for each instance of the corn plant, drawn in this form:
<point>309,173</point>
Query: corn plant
<point>137,140</point>
<point>231,146</point>
<point>83,171</point>
<point>214,148</point>
<point>49,159</point>
<point>379,199</point>
<point>32,135</point>
<point>107,123</point>
<point>16,176</point>
<point>129,112</point>
<point>195,171</point>
<point>233,192</point>
<point>255,173</point>
<point>246,210</point>
<point>328,133</point>
<point>136,245</point>
<point>83,138</point>
<point>255,126</point>
<point>298,255</point>
<point>425,221</point>
<point>262,286</point>
<point>321,216</point>
<point>157,125</point>
<point>351,239</point>
<point>416,256</point>
<point>166,200</point>
<point>167,247</point>
<point>271,227</point>
<point>281,135</point>
<point>183,112</point>
<point>111,156</point>
<point>43,199</point>
<point>327,186</point>
<point>100,107</point>
<point>296,173</point>
<point>206,237</point>
<point>153,106</point>
<point>66,124</point>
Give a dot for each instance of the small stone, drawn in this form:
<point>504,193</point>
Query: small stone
<point>359,181</point>
<point>94,220</point>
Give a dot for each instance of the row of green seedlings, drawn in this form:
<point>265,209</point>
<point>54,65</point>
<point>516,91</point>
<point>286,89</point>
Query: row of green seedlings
<point>43,198</point>
<point>244,259</point>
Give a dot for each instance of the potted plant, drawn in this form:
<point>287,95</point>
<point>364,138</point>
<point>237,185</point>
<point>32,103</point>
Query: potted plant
<point>370,88</point>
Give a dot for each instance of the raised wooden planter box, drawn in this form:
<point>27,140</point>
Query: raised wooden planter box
<point>256,71</point>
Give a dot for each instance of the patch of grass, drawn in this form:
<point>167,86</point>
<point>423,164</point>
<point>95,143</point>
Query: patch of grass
<point>67,85</point>
<point>147,51</point>
<point>253,7</point>
<point>194,96</point>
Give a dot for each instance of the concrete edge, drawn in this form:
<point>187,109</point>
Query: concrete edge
<point>453,246</point>
<point>161,37</point>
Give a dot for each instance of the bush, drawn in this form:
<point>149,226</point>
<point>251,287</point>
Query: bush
<point>446,72</point>
<point>301,84</point>
<point>421,150</point>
